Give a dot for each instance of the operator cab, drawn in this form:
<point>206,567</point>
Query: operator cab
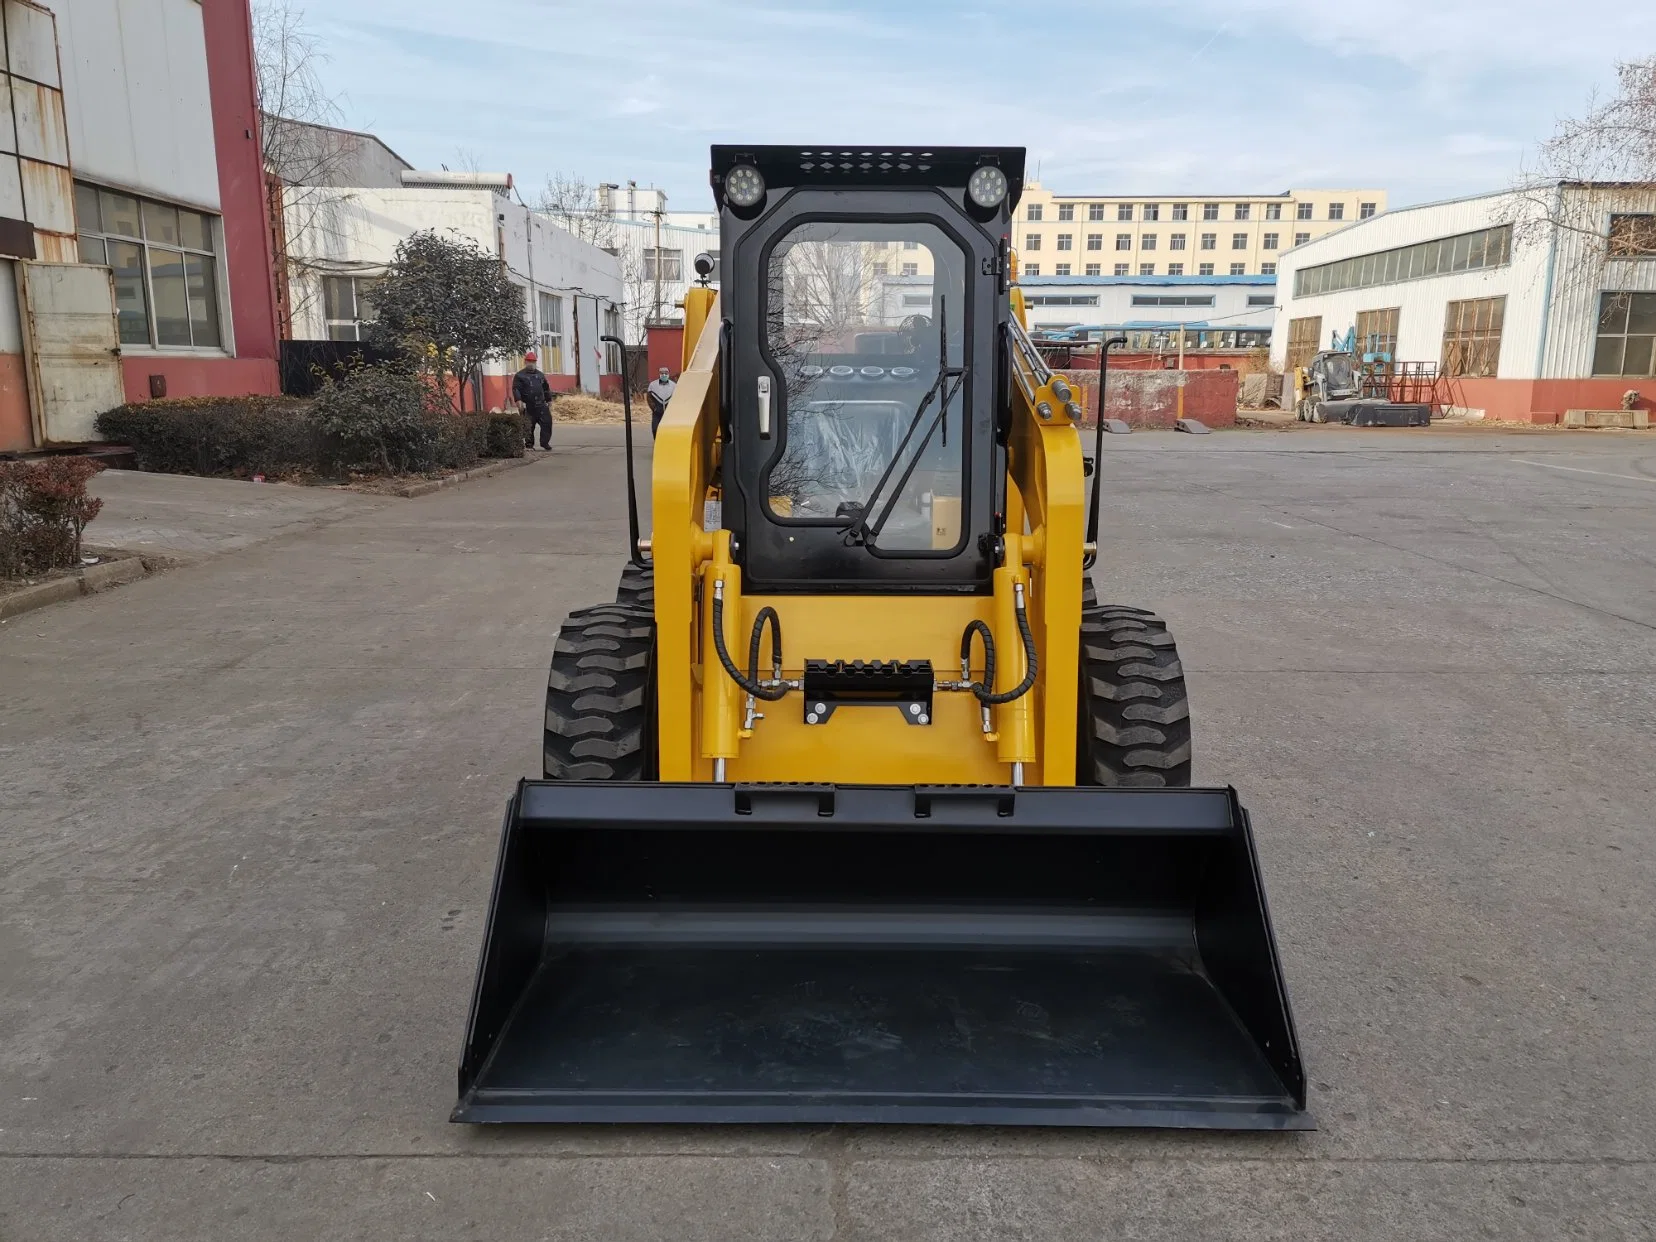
<point>865,301</point>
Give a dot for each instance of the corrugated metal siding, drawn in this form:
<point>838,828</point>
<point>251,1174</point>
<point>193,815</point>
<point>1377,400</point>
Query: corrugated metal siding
<point>1581,272</point>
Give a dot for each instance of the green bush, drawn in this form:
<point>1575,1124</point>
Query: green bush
<point>373,420</point>
<point>380,421</point>
<point>508,433</point>
<point>44,510</point>
<point>215,435</point>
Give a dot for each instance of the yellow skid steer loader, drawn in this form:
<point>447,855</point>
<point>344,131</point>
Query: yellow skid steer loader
<point>858,806</point>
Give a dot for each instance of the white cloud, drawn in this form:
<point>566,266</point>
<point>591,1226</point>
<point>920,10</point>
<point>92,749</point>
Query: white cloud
<point>1211,96</point>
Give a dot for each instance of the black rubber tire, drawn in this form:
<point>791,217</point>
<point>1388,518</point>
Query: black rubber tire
<point>637,586</point>
<point>1135,713</point>
<point>600,697</point>
<point>1089,592</point>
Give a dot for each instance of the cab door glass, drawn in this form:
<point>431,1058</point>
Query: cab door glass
<point>859,319</point>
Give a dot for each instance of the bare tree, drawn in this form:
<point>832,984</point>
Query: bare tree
<point>1614,140</point>
<point>304,152</point>
<point>572,203</point>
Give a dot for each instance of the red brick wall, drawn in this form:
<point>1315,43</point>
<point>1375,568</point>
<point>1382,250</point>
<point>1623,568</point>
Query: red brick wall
<point>1150,398</point>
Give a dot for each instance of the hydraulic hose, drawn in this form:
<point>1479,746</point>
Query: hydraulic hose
<point>985,690</point>
<point>750,684</point>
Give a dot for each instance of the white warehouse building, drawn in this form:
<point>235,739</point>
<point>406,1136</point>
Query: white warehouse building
<point>1215,312</point>
<point>340,240</point>
<point>1527,306</point>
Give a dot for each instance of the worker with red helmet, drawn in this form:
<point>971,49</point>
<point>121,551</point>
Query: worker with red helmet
<point>534,397</point>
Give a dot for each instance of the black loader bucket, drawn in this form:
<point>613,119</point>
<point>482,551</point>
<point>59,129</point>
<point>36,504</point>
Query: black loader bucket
<point>716,953</point>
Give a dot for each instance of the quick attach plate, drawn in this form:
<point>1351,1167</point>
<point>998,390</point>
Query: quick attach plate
<point>903,684</point>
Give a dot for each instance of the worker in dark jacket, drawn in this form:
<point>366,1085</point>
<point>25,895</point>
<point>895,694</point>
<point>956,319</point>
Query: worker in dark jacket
<point>534,397</point>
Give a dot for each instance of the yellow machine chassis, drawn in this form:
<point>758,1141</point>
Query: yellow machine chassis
<point>702,711</point>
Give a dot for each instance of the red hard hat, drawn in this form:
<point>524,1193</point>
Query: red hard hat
<point>530,356</point>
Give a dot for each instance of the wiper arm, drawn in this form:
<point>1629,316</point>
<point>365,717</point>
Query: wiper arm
<point>864,533</point>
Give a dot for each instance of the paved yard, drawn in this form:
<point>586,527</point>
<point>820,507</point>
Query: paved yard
<point>248,814</point>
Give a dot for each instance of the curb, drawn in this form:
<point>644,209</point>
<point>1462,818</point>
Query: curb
<point>425,487</point>
<point>90,581</point>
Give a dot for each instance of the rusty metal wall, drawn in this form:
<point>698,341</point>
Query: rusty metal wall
<point>35,180</point>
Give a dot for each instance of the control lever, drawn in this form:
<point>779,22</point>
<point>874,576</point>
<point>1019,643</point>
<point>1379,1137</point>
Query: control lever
<point>764,407</point>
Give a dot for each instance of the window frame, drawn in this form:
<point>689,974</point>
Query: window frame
<point>1645,302</point>
<point>357,322</point>
<point>1210,241</point>
<point>1066,212</point>
<point>1472,329</point>
<point>1637,240</point>
<point>216,286</point>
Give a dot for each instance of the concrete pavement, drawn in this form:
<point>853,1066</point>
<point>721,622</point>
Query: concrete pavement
<point>248,814</point>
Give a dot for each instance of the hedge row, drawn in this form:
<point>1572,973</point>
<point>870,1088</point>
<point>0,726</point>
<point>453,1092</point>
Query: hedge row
<point>376,421</point>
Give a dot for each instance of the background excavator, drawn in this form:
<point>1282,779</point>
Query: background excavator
<point>858,806</point>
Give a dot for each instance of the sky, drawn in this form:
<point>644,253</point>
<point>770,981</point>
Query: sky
<point>1426,99</point>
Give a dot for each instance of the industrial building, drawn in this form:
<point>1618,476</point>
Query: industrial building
<point>1526,306</point>
<point>1176,234</point>
<point>340,239</point>
<point>1214,312</point>
<point>134,257</point>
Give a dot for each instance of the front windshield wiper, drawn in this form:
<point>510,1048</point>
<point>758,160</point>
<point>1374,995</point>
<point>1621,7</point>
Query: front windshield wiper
<point>864,533</point>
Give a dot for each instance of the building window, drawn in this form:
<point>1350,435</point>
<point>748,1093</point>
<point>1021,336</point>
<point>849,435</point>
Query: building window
<point>1273,211</point>
<point>917,299</point>
<point>1210,241</point>
<point>1175,269</point>
<point>1365,210</point>
<point>1061,299</point>
<point>882,269</point>
<point>1124,211</point>
<point>1377,331</point>
<point>1472,336</point>
<point>911,269</point>
<point>911,245</point>
<point>165,266</point>
<point>1271,240</point>
<point>1095,211</point>
<point>1066,241</point>
<point>1147,241</point>
<point>1172,299</point>
<point>672,264</point>
<point>1031,269</point>
<point>1063,269</point>
<point>1176,241</point>
<point>1147,269</point>
<point>1124,241</point>
<point>1336,211</point>
<point>1095,241</point>
<point>1242,211</point>
<point>1066,211</point>
<point>1033,211</point>
<point>1032,242</point>
<point>1239,269</point>
<point>1304,339</point>
<point>1152,211</point>
<point>348,306</point>
<point>1626,335</point>
<point>1239,241</point>
<point>1267,269</point>
<point>1181,211</point>
<point>1302,211</point>
<point>1210,211</point>
<point>1204,269</point>
<point>1262,299</point>
<point>1464,252</point>
<point>1095,269</point>
<point>1633,237</point>
<point>552,332</point>
<point>1301,238</point>
<point>1121,269</point>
